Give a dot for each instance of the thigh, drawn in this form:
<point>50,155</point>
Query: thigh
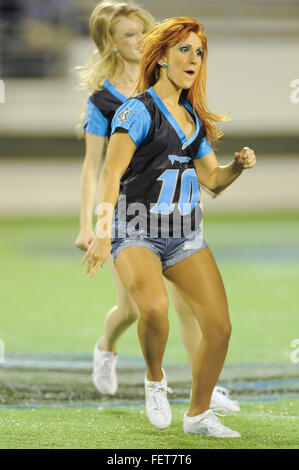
<point>140,271</point>
<point>187,320</point>
<point>124,297</point>
<point>179,303</point>
<point>199,281</point>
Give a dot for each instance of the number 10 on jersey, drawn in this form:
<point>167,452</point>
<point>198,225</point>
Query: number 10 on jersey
<point>189,192</point>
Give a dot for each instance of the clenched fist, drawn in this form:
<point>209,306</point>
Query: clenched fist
<point>245,158</point>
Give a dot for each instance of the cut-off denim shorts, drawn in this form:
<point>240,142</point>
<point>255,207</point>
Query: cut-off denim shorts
<point>169,250</point>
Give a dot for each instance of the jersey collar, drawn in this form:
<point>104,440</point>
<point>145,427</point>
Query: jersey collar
<point>185,142</point>
<point>114,91</point>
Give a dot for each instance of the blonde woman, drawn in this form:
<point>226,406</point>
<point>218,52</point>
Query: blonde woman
<point>111,77</point>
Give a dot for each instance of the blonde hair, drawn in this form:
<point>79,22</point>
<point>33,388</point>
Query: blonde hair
<point>157,41</point>
<point>103,60</point>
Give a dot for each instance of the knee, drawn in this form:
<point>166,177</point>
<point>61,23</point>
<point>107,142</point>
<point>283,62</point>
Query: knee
<point>219,334</point>
<point>129,301</point>
<point>124,312</point>
<point>155,315</point>
<point>226,331</point>
<point>129,308</point>
<point>130,313</point>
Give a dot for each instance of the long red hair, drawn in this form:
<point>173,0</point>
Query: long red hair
<point>156,42</point>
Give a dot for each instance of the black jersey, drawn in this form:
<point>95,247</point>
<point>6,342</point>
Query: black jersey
<point>159,191</point>
<point>101,107</point>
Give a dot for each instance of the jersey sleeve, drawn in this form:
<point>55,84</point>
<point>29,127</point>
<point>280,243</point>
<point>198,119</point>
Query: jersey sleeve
<point>95,121</point>
<point>204,149</point>
<point>133,118</point>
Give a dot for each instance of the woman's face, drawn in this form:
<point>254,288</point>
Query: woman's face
<point>183,61</point>
<point>126,33</point>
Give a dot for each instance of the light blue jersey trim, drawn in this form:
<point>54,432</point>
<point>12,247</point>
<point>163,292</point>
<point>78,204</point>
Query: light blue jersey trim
<point>204,149</point>
<point>135,118</point>
<point>114,91</point>
<point>95,122</point>
<point>185,142</point>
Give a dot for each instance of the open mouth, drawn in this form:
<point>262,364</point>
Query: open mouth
<point>190,72</point>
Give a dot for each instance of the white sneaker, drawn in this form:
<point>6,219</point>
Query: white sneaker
<point>157,406</point>
<point>220,399</point>
<point>104,373</point>
<point>207,423</point>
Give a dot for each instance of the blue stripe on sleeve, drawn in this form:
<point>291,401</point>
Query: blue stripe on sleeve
<point>133,117</point>
<point>95,122</point>
<point>204,149</point>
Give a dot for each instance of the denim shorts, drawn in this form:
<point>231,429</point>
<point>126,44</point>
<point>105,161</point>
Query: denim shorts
<point>169,250</point>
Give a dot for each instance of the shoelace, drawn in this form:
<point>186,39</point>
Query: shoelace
<point>214,421</point>
<point>216,411</point>
<point>157,394</point>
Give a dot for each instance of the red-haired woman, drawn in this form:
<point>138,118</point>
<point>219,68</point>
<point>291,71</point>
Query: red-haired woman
<point>159,152</point>
<point>111,77</point>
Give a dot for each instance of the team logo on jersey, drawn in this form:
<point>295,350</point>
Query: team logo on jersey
<point>175,158</point>
<point>123,116</point>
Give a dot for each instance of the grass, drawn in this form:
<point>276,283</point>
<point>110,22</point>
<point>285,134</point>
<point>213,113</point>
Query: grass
<point>50,305</point>
<point>273,425</point>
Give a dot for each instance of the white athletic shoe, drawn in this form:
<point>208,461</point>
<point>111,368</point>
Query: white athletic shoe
<point>220,399</point>
<point>207,423</point>
<point>104,373</point>
<point>157,406</point>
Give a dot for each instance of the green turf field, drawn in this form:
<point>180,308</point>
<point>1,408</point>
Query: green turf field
<point>49,304</point>
<point>263,426</point>
<point>52,314</point>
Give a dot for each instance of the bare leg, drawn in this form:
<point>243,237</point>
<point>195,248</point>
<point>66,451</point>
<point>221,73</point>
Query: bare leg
<point>125,313</point>
<point>121,316</point>
<point>200,283</point>
<point>141,272</point>
<point>189,328</point>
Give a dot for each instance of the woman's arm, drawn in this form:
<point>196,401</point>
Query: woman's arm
<point>216,178</point>
<point>120,151</point>
<point>89,185</point>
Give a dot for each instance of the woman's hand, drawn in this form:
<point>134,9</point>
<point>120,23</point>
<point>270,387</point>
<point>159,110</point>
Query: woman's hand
<point>246,158</point>
<point>97,253</point>
<point>84,238</point>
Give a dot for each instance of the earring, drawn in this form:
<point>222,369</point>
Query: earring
<point>164,66</point>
